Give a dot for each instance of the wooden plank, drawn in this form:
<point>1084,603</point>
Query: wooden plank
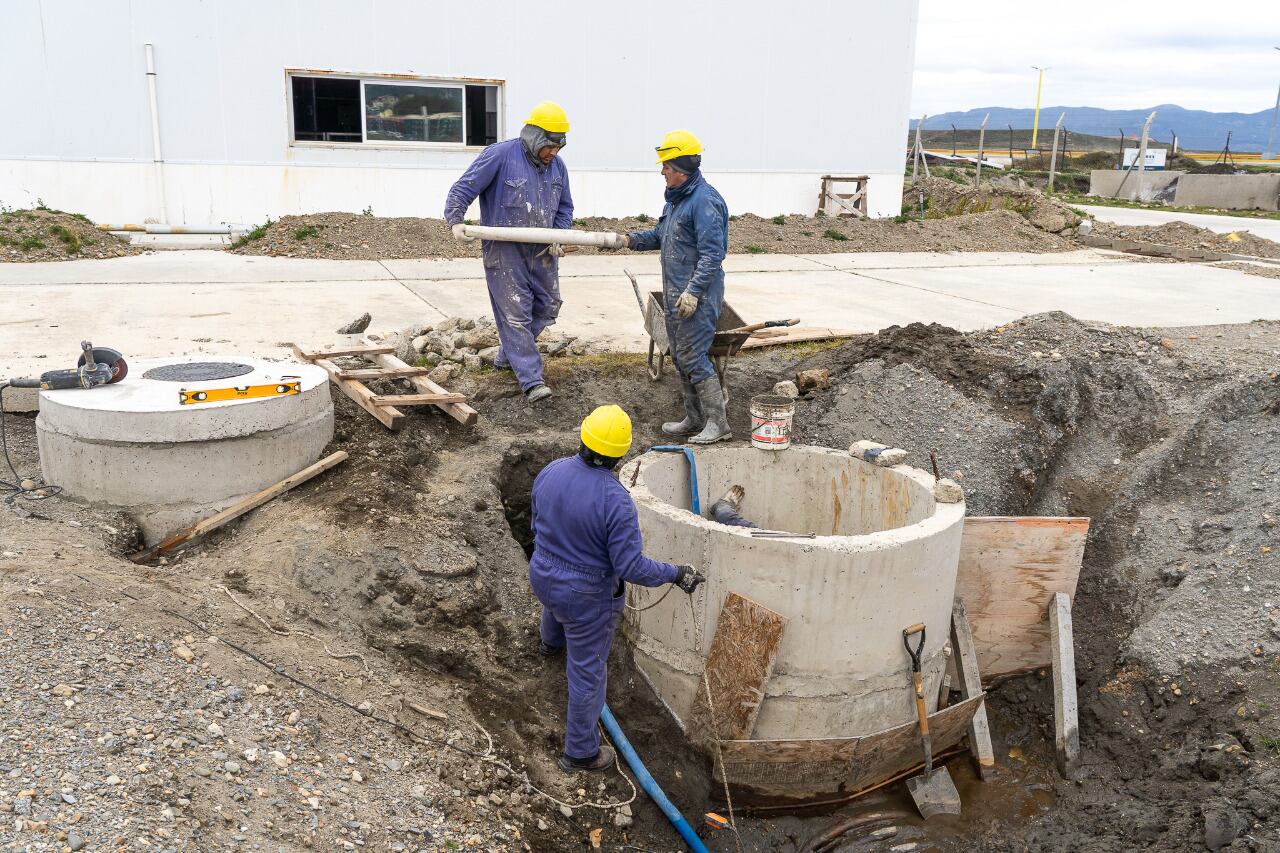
<point>370,349</point>
<point>391,417</point>
<point>460,412</point>
<point>1066,724</point>
<point>811,766</point>
<point>966,662</point>
<point>416,399</point>
<point>383,372</point>
<point>237,509</point>
<point>739,663</point>
<point>1009,570</point>
<point>793,335</point>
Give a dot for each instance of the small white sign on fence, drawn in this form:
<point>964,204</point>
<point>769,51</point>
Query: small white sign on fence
<point>1155,157</point>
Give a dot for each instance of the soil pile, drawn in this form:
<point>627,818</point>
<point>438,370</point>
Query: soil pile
<point>411,555</point>
<point>1009,221</point>
<point>1180,235</point>
<point>947,198</point>
<point>51,235</point>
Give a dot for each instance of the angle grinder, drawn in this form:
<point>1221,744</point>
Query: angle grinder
<point>97,366</point>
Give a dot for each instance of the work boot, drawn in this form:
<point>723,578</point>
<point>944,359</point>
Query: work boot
<point>711,397</point>
<point>693,418</point>
<point>547,650</point>
<point>537,392</point>
<point>603,760</point>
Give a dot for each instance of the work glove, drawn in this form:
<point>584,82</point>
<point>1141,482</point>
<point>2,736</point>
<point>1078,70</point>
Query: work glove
<point>626,241</point>
<point>459,234</point>
<point>689,578</point>
<point>686,305</point>
<point>555,250</point>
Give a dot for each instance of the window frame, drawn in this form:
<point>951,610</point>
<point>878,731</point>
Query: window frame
<point>393,79</point>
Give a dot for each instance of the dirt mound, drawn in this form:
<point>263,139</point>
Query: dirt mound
<point>946,198</point>
<point>1181,235</point>
<point>1263,270</point>
<point>51,235</point>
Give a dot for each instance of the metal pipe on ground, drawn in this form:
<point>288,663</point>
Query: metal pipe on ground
<point>562,236</point>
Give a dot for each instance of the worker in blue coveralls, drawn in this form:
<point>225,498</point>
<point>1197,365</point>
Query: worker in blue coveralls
<point>586,548</point>
<point>693,235</point>
<point>520,182</point>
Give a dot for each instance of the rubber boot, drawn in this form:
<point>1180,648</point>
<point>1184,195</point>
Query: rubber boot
<point>693,418</point>
<point>711,397</point>
<point>603,760</point>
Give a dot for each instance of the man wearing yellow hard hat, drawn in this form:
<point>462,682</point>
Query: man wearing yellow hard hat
<point>586,548</point>
<point>693,235</point>
<point>520,182</point>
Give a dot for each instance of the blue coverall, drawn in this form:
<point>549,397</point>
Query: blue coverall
<point>693,234</point>
<point>523,278</point>
<point>586,546</point>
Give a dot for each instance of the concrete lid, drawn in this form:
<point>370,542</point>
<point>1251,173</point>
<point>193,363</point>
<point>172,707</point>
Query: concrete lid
<point>143,410</point>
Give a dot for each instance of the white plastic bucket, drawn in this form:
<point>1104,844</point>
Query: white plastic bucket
<point>771,416</point>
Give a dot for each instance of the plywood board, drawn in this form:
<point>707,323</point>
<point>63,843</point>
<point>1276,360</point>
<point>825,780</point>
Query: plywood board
<point>816,766</point>
<point>1010,569</point>
<point>739,663</point>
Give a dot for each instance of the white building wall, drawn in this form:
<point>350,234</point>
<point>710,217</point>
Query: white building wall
<point>778,97</point>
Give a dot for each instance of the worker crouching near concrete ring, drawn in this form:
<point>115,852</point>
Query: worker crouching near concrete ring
<point>693,235</point>
<point>586,548</point>
<point>521,182</point>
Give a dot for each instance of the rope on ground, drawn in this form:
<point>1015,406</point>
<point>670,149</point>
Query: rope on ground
<point>487,756</point>
<point>330,652</point>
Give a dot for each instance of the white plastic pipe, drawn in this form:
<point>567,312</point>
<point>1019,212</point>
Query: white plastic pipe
<point>563,236</point>
<point>157,156</point>
<point>161,228</point>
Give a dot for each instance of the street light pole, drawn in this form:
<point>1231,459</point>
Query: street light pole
<point>1270,153</point>
<point>1035,125</point>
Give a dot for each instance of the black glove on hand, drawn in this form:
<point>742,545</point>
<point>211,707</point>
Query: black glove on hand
<point>689,578</point>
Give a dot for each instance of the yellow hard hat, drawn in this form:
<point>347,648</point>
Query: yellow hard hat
<point>607,431</point>
<point>549,116</point>
<point>678,143</point>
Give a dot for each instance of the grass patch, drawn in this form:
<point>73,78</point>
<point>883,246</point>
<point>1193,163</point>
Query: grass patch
<point>779,220</point>
<point>30,244</point>
<point>804,349</point>
<point>256,234</point>
<point>68,237</point>
<point>305,232</point>
<point>604,364</point>
<point>753,249</point>
<point>833,234</point>
<point>1271,744</point>
<point>1102,201</point>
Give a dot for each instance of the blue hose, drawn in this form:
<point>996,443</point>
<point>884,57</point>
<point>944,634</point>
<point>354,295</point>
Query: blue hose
<point>693,472</point>
<point>647,782</point>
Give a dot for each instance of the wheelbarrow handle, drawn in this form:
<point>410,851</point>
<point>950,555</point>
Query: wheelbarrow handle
<point>767,324</point>
<point>636,287</point>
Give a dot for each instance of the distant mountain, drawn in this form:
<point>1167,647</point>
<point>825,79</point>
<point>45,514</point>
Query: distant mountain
<point>1196,129</point>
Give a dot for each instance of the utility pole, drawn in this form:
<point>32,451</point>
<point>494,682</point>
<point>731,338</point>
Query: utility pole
<point>1270,153</point>
<point>1035,124</point>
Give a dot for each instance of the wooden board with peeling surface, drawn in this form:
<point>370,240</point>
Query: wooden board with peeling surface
<point>1010,569</point>
<point>739,663</point>
<point>831,766</point>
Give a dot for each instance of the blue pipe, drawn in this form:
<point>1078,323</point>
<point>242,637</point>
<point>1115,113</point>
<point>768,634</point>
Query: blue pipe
<point>693,472</point>
<point>647,782</point>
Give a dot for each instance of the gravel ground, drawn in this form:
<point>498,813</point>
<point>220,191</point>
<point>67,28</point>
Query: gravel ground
<point>51,235</point>
<point>409,555</point>
<point>1264,270</point>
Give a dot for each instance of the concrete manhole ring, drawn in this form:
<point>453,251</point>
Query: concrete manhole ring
<point>198,371</point>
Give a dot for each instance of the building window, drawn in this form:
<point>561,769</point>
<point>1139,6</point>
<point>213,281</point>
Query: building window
<point>384,111</point>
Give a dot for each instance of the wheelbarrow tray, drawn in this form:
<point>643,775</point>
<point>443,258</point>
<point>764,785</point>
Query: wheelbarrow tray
<point>724,344</point>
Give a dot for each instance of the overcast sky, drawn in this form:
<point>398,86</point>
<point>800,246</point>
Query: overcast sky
<point>1193,54</point>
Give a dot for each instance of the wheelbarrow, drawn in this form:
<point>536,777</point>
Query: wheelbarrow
<point>730,335</point>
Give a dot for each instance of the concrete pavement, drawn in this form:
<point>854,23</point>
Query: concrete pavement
<point>1268,228</point>
<point>192,302</point>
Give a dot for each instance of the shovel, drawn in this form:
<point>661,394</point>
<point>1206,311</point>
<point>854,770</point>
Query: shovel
<point>933,791</point>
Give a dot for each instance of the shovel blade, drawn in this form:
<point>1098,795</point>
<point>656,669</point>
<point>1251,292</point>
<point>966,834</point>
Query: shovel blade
<point>934,793</point>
